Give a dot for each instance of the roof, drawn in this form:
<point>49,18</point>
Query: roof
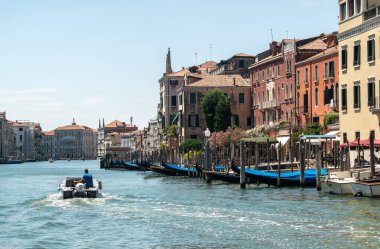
<point>179,73</point>
<point>48,133</point>
<point>317,44</point>
<point>267,59</point>
<point>117,123</point>
<point>207,64</point>
<point>220,81</point>
<point>325,52</point>
<point>243,55</point>
<point>70,128</point>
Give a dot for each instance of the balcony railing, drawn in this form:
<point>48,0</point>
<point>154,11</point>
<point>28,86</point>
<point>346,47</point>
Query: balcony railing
<point>371,13</point>
<point>270,104</point>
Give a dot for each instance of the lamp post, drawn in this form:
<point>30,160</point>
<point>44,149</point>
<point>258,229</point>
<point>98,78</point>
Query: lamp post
<point>207,149</point>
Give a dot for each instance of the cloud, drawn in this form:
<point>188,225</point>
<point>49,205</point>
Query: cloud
<point>92,101</point>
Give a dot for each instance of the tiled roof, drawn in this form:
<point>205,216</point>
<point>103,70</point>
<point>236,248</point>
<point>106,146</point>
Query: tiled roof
<point>243,55</point>
<point>20,124</point>
<point>207,64</point>
<point>48,133</point>
<point>325,52</point>
<point>220,81</point>
<point>317,44</point>
<point>70,128</point>
<point>117,123</point>
<point>265,60</point>
<point>180,73</point>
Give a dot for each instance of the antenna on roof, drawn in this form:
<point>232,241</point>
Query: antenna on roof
<point>196,58</point>
<point>210,51</point>
<point>271,34</point>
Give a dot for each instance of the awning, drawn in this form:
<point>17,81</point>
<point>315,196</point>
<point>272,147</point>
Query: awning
<point>283,140</point>
<point>176,117</point>
<point>333,133</point>
<point>318,137</point>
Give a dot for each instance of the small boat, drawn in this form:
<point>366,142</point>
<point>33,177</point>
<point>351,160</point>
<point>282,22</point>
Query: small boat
<point>51,160</point>
<point>69,190</point>
<point>338,183</point>
<point>180,170</point>
<point>287,179</point>
<point>162,170</point>
<point>13,161</point>
<point>369,187</point>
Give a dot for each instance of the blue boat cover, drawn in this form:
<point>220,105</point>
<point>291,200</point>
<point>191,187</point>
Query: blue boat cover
<point>310,174</point>
<point>177,168</point>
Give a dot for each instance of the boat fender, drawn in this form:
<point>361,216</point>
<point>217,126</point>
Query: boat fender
<point>100,185</point>
<point>79,187</point>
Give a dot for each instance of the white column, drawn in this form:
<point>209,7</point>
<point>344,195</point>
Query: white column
<point>355,10</point>
<point>364,4</point>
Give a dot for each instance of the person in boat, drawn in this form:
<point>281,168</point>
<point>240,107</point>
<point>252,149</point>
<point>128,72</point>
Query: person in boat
<point>86,180</point>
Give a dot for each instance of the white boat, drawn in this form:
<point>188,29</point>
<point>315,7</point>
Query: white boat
<point>367,188</point>
<point>339,183</point>
<point>51,160</point>
<point>69,190</point>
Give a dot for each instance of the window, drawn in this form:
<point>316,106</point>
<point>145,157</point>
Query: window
<point>306,102</point>
<point>278,93</point>
<point>326,72</point>
<point>328,95</point>
<point>241,63</point>
<point>180,99</point>
<point>316,96</point>
<point>371,50</point>
<point>344,58</point>
<point>267,73</point>
<point>235,120</point>
<point>316,73</point>
<point>193,136</point>
<point>278,70</point>
<point>249,121</point>
<point>20,129</point>
<point>193,98</point>
<point>173,82</point>
<point>193,120</point>
<point>343,8</point>
<point>241,98</point>
<point>262,75</point>
<point>357,96</point>
<point>350,8</point>
<point>344,99</point>
<point>371,94</point>
<point>20,138</point>
<point>298,78</point>
<point>174,100</point>
<point>331,69</point>
<point>273,71</point>
<point>357,135</point>
<point>358,6</point>
<point>286,91</point>
<point>357,55</point>
<point>306,75</point>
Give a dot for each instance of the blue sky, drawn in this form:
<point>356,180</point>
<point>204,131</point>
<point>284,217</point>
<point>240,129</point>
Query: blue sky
<point>93,59</point>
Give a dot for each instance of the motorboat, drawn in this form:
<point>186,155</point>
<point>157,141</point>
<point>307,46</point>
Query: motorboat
<point>69,190</point>
<point>338,183</point>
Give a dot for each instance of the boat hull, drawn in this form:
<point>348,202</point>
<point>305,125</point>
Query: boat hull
<point>366,189</point>
<point>337,187</point>
<point>68,190</point>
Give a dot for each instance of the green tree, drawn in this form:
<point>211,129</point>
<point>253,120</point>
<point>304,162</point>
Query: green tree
<point>217,110</point>
<point>191,144</point>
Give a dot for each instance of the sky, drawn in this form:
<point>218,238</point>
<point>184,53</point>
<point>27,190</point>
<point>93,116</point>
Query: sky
<point>92,59</point>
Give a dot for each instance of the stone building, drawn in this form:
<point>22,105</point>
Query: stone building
<point>6,139</point>
<point>359,32</point>
<point>237,64</point>
<point>317,81</point>
<point>25,139</point>
<point>190,118</point>
<point>152,141</point>
<point>75,142</point>
<point>48,145</point>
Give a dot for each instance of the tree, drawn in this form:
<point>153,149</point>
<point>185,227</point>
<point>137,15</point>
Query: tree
<point>191,144</point>
<point>217,110</point>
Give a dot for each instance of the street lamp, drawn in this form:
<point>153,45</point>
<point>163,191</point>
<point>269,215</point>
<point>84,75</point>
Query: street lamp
<point>207,149</point>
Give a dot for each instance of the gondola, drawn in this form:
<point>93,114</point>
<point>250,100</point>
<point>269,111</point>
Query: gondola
<point>215,175</point>
<point>287,179</point>
<point>179,170</point>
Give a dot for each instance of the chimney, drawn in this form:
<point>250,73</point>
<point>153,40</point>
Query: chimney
<point>273,47</point>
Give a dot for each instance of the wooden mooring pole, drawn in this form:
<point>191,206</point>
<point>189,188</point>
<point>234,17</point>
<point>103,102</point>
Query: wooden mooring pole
<point>302,163</point>
<point>242,167</point>
<point>318,165</point>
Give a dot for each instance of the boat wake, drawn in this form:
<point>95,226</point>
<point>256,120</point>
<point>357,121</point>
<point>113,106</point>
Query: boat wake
<point>56,200</point>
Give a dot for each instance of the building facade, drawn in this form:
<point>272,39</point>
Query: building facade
<point>75,142</point>
<point>237,64</point>
<point>317,82</point>
<point>191,119</point>
<point>359,32</point>
<point>6,139</point>
<point>48,145</point>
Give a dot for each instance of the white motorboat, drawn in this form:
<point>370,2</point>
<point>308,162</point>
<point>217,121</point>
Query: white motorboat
<point>367,187</point>
<point>69,190</point>
<point>338,183</point>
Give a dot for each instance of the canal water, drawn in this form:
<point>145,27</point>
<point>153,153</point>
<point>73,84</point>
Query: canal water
<point>147,210</point>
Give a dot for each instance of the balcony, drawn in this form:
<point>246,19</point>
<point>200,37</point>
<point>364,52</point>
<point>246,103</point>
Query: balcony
<point>374,107</point>
<point>269,104</point>
<point>371,13</point>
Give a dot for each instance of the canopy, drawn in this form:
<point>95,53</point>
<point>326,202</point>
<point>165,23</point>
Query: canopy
<point>364,143</point>
<point>283,140</point>
<point>326,136</point>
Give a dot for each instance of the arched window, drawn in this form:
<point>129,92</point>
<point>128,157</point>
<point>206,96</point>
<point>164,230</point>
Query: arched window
<point>298,102</point>
<point>273,97</point>
<point>263,96</point>
<point>337,95</point>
